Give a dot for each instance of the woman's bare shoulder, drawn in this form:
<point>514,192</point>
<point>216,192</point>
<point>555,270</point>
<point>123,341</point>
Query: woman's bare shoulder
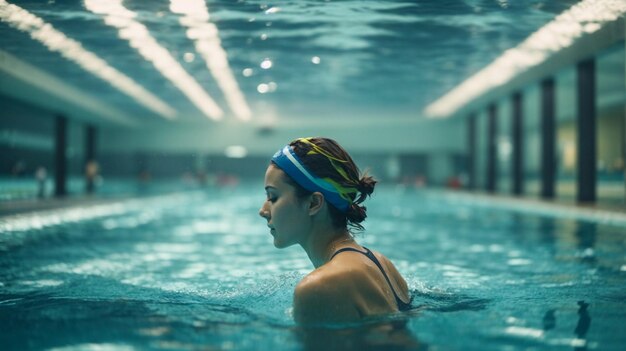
<point>328,280</point>
<point>326,296</point>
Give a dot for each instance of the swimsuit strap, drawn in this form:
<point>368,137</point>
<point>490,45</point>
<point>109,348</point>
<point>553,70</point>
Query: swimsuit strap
<point>402,306</point>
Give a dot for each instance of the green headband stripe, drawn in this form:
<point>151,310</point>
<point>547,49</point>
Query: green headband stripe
<point>315,149</point>
<point>344,192</point>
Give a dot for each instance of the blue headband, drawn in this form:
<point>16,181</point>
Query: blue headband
<point>287,160</point>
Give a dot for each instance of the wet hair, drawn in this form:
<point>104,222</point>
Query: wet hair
<point>321,167</point>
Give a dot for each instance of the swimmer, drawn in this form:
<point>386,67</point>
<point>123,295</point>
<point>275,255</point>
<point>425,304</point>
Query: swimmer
<point>314,198</point>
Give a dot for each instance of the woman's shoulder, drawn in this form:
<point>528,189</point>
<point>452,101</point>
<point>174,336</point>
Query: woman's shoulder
<point>367,272</point>
<point>325,295</point>
<point>329,278</point>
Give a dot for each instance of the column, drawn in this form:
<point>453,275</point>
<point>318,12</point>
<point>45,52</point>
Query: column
<point>548,136</point>
<point>91,166</point>
<point>60,156</point>
<point>517,133</point>
<point>471,151</point>
<point>586,172</point>
<point>492,147</point>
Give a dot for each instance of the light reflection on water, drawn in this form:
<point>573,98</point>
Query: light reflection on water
<point>199,270</point>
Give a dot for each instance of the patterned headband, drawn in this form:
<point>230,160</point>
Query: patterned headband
<point>337,195</point>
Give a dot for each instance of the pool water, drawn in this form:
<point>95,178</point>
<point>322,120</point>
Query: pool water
<point>197,270</point>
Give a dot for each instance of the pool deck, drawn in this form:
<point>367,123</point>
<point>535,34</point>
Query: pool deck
<point>30,206</point>
<point>604,213</point>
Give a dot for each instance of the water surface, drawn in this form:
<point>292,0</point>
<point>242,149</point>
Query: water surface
<point>197,270</point>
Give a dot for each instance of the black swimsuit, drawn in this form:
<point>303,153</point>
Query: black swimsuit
<point>402,306</point>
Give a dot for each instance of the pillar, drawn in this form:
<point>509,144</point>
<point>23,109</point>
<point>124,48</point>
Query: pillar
<point>60,156</point>
<point>471,151</point>
<point>90,159</point>
<point>517,133</point>
<point>548,136</point>
<point>492,147</point>
<point>586,118</point>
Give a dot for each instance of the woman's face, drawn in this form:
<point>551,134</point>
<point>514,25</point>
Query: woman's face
<point>286,215</point>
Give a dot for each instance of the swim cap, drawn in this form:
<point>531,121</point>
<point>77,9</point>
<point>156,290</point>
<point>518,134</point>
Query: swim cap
<point>337,195</point>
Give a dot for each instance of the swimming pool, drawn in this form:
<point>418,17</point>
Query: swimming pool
<point>197,270</point>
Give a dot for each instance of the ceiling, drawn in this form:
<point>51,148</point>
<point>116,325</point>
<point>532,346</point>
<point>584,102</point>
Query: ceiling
<point>285,62</point>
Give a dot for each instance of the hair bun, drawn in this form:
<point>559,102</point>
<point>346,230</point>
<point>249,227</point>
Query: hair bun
<point>367,184</point>
<point>365,187</point>
<point>356,214</point>
<point>322,157</point>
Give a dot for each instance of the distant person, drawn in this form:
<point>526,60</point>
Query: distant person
<point>41,174</point>
<point>92,169</point>
<point>314,194</point>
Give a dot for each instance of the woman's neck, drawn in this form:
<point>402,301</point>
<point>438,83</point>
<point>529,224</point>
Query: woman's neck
<point>322,244</point>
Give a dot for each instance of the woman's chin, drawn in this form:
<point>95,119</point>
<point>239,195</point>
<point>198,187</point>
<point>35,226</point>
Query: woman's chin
<point>280,244</point>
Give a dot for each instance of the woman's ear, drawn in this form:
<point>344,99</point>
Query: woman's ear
<point>315,203</point>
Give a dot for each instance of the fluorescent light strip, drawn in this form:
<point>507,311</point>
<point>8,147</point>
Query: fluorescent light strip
<point>583,18</point>
<point>195,16</point>
<point>116,15</point>
<point>72,50</point>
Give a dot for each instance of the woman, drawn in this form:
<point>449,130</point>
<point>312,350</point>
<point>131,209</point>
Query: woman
<point>314,193</point>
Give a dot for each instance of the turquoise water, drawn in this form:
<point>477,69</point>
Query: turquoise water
<point>197,270</point>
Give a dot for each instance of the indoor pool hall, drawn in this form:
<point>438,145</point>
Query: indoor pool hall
<point>312,175</point>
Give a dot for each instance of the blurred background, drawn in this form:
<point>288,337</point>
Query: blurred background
<point>522,98</point>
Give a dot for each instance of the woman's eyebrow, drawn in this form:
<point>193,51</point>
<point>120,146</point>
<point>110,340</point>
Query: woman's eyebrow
<point>268,187</point>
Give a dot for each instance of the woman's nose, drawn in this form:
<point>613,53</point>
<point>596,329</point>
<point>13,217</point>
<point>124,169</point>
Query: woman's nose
<point>263,212</point>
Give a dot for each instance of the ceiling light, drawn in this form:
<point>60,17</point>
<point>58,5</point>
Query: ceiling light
<point>116,15</point>
<point>236,151</point>
<point>263,88</point>
<point>195,16</point>
<point>266,64</point>
<point>189,57</point>
<point>585,17</point>
<point>72,50</point>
